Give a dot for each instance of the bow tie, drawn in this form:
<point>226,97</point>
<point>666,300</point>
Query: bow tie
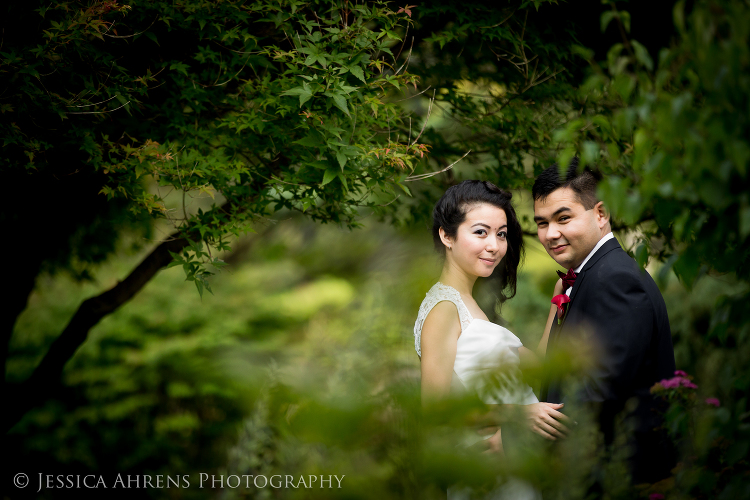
<point>568,279</point>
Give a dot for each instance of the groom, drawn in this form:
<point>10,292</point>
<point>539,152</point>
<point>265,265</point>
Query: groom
<point>621,308</point>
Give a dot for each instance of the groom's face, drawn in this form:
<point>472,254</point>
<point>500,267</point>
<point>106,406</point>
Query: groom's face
<point>566,229</point>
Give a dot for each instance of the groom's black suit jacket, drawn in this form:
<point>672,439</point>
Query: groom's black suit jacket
<point>619,309</point>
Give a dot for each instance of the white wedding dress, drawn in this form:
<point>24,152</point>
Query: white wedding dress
<point>484,349</point>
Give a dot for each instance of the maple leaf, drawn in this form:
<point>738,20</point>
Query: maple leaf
<point>406,9</point>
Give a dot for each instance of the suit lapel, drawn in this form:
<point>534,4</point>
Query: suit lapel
<point>556,329</point>
<point>577,285</point>
<point>603,250</point>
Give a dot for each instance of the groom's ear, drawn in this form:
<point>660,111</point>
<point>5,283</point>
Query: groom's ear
<point>602,214</point>
<point>447,240</point>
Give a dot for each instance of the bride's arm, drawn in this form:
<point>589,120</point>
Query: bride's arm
<point>440,333</point>
<point>529,358</point>
<point>439,340</point>
<point>542,349</point>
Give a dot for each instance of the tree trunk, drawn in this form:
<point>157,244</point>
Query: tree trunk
<point>37,387</point>
<point>22,279</point>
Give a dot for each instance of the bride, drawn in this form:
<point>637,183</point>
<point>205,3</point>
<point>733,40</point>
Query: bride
<point>475,227</point>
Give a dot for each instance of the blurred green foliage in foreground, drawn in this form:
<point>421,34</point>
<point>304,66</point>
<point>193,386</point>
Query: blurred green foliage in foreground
<point>302,363</point>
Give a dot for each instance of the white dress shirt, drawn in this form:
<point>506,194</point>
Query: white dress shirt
<point>601,242</point>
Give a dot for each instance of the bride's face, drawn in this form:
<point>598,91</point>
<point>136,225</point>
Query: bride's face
<point>480,242</point>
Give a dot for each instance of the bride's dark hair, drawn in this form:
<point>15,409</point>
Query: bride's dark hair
<point>451,209</point>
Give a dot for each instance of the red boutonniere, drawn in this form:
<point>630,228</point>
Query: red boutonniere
<point>560,301</point>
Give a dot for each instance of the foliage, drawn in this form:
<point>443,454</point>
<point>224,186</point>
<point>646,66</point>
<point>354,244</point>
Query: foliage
<point>260,106</point>
<point>172,384</point>
<point>163,385</point>
<point>497,83</point>
<point>672,135</point>
<point>265,105</point>
<point>213,116</point>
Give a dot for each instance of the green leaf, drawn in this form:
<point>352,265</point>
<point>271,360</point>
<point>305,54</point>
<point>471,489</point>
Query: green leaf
<point>342,178</point>
<point>303,92</point>
<point>308,141</point>
<point>339,101</point>
<point>328,176</point>
<point>641,255</point>
<point>350,150</point>
<point>310,60</point>
<point>584,52</point>
<point>624,85</point>
<point>642,55</point>
<point>180,67</point>
<point>625,19</point>
<point>590,153</point>
<point>304,97</point>
<point>333,129</point>
<point>294,91</point>
<point>357,71</point>
<point>687,267</point>
<point>606,18</point>
<point>341,157</point>
<point>406,189</point>
<point>174,263</point>
<point>152,36</point>
<point>348,89</point>
<point>208,286</point>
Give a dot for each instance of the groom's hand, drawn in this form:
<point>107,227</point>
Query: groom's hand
<point>494,444</point>
<point>545,420</point>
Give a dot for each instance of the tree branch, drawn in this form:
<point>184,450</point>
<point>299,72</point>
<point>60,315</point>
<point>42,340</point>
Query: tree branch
<point>38,386</point>
<point>23,279</point>
<point>34,390</point>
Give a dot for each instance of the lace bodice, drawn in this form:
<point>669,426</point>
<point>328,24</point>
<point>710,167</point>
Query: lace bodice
<point>439,293</point>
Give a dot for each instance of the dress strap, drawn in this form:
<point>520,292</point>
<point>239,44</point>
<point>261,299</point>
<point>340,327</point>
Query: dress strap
<point>439,293</point>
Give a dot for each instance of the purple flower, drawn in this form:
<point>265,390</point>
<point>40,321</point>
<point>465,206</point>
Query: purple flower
<point>687,383</point>
<point>671,383</point>
<point>713,401</point>
<point>679,373</point>
<point>656,496</point>
<point>676,382</point>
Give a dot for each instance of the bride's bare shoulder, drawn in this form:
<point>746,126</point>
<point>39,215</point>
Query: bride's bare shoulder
<point>442,321</point>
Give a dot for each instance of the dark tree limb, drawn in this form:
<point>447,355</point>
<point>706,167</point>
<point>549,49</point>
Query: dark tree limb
<point>37,387</point>
<point>46,376</point>
<point>23,279</point>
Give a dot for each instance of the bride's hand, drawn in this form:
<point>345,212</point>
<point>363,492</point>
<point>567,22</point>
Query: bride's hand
<point>558,287</point>
<point>545,420</point>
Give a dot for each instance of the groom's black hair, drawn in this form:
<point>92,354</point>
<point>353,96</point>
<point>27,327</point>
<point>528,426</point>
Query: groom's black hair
<point>582,183</point>
<point>451,209</point>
